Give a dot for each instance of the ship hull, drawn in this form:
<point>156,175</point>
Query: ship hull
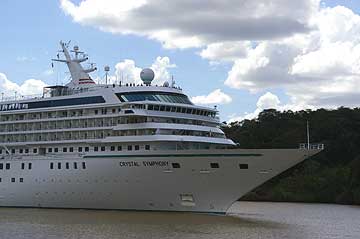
<point>199,181</point>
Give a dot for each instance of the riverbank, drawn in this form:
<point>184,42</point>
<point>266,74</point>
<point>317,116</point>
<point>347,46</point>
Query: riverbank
<point>332,176</point>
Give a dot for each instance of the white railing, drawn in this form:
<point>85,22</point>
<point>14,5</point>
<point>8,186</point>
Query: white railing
<point>311,146</point>
<point>18,97</point>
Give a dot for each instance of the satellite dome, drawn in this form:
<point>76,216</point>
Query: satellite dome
<point>166,84</point>
<point>147,75</point>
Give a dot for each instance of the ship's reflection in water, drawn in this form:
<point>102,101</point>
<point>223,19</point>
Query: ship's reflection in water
<point>246,220</point>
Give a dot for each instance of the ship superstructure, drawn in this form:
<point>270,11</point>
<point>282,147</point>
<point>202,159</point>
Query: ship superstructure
<point>124,146</point>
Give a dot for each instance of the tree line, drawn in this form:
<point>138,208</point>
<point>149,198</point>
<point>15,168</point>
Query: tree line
<point>332,176</point>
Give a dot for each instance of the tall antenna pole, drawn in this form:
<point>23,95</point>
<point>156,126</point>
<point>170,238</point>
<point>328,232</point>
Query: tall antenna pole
<point>308,134</point>
<point>107,69</point>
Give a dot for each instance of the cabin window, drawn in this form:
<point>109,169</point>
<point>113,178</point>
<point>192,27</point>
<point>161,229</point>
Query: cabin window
<point>7,166</point>
<point>112,148</point>
<point>243,166</point>
<point>86,149</point>
<point>137,147</point>
<point>13,180</point>
<point>22,165</point>
<point>96,148</point>
<point>102,148</point>
<point>21,151</point>
<point>75,165</point>
<point>175,165</point>
<point>21,180</point>
<point>129,147</point>
<point>67,165</point>
<point>83,165</point>
<point>56,150</point>
<point>51,165</point>
<point>80,149</point>
<point>49,150</point>
<point>214,165</point>
<point>30,165</point>
<point>71,149</point>
<point>13,151</point>
<point>35,151</point>
<point>64,150</point>
<point>119,148</point>
<point>59,165</point>
<point>147,147</point>
<point>26,151</point>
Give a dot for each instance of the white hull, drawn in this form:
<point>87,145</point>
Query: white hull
<point>115,182</point>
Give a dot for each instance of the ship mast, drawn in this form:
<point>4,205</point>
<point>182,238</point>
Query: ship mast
<point>80,76</point>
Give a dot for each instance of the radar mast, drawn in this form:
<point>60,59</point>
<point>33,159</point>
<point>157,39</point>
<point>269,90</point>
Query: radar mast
<point>80,77</point>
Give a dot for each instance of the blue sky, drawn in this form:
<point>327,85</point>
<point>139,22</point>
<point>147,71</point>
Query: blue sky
<point>31,31</point>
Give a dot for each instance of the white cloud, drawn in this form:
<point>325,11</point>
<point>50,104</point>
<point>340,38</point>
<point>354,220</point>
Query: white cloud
<point>127,71</point>
<point>266,101</point>
<point>226,51</point>
<point>29,87</point>
<point>205,21</point>
<point>270,101</point>
<point>215,97</point>
<point>310,52</point>
<point>319,69</point>
<point>160,67</point>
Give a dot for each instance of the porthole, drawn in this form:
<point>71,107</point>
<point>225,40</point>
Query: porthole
<point>175,165</point>
<point>214,165</point>
<point>243,166</point>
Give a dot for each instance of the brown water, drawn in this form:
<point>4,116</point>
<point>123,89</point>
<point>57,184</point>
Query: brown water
<point>247,220</point>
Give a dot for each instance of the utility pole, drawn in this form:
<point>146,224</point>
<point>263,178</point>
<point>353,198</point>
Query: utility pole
<point>308,134</point>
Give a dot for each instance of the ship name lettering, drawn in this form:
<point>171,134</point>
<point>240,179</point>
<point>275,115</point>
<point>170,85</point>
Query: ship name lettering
<point>155,163</point>
<point>129,164</point>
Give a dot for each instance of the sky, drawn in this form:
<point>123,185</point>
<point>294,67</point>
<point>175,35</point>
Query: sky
<point>241,55</point>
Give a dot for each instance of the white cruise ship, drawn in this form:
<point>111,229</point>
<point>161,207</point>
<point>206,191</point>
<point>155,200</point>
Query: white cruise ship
<point>125,146</point>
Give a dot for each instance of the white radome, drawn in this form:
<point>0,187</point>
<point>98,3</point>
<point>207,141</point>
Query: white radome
<point>147,76</point>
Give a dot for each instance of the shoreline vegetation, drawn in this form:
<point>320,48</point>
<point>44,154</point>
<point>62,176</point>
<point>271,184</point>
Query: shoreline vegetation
<point>332,176</point>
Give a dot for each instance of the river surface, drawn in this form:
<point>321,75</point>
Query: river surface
<point>246,220</point>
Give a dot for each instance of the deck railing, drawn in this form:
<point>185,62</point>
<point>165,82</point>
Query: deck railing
<point>312,146</point>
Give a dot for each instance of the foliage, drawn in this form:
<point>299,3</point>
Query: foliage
<point>332,176</point>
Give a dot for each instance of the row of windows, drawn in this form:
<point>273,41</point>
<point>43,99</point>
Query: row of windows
<point>21,151</point>
<point>181,110</point>
<point>66,102</point>
<point>13,180</point>
<point>29,166</point>
<point>154,96</point>
<point>7,166</point>
<point>78,149</point>
<point>59,114</point>
<point>67,165</point>
<point>214,165</point>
